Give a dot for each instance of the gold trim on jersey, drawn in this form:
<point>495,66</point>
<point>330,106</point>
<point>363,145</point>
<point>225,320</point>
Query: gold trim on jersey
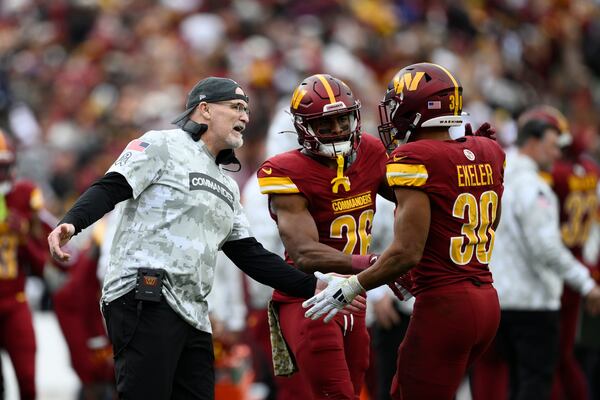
<point>406,174</point>
<point>277,184</point>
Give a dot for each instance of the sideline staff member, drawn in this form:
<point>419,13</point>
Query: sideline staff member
<point>178,210</point>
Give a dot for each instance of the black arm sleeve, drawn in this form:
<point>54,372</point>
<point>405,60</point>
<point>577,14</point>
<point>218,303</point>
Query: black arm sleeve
<point>99,199</point>
<point>268,268</point>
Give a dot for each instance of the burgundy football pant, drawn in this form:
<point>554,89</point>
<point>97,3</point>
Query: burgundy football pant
<point>332,358</point>
<point>18,339</point>
<point>450,327</point>
<point>490,375</point>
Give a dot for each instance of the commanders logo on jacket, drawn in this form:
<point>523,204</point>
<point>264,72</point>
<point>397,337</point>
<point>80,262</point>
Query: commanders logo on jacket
<point>200,181</point>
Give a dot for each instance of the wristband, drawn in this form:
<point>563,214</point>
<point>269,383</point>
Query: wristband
<point>360,263</point>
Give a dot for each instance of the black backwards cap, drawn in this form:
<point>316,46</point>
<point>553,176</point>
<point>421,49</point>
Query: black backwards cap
<point>209,90</point>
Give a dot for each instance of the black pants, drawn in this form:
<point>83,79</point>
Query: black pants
<point>158,355</point>
<point>385,344</point>
<point>530,341</point>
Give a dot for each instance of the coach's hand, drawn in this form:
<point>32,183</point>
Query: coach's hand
<point>58,238</point>
<point>339,293</point>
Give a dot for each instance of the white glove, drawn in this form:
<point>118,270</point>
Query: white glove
<point>339,293</point>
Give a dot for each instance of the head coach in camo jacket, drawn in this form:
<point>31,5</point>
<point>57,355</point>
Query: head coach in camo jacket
<point>177,210</point>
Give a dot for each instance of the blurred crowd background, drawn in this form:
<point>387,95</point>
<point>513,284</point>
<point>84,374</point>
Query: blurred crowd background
<point>80,78</point>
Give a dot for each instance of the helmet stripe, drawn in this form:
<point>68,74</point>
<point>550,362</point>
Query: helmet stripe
<point>453,81</point>
<point>327,88</point>
<point>297,97</point>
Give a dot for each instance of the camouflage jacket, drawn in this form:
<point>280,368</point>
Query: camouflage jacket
<point>183,209</point>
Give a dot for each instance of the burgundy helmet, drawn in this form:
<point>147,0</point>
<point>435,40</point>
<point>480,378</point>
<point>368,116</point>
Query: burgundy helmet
<point>419,96</point>
<point>552,116</point>
<point>319,97</point>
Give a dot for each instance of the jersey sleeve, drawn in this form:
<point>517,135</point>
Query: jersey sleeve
<point>405,169</point>
<point>273,178</point>
<point>142,161</point>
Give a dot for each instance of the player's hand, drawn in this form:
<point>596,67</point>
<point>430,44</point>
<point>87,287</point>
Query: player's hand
<point>592,301</point>
<point>386,314</point>
<point>401,286</point>
<point>58,238</point>
<point>485,130</point>
<point>339,293</point>
<point>359,304</point>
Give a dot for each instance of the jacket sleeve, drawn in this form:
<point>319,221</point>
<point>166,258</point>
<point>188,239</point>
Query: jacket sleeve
<point>97,200</point>
<point>540,224</point>
<point>268,268</point>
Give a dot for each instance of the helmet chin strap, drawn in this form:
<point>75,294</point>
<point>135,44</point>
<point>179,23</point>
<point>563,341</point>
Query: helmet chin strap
<point>340,179</point>
<point>411,127</point>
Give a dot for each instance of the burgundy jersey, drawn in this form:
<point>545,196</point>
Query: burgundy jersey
<point>464,182</point>
<point>574,182</point>
<point>342,207</point>
<point>20,250</point>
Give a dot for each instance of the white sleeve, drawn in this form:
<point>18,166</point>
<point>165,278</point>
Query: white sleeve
<point>257,210</point>
<point>281,136</point>
<point>540,224</point>
<point>382,232</point>
<point>591,249</point>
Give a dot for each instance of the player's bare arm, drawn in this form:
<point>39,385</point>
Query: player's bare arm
<point>411,228</point>
<point>300,236</point>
